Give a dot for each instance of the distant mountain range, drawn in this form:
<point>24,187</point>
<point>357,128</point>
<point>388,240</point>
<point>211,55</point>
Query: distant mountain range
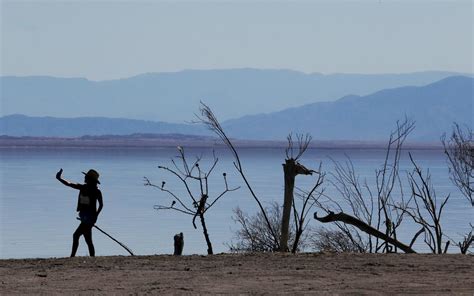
<point>21,125</point>
<point>174,97</point>
<point>434,107</point>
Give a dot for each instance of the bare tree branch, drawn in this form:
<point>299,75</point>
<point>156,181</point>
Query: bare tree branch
<point>199,206</point>
<point>459,148</point>
<point>426,204</point>
<point>208,118</point>
<point>347,219</point>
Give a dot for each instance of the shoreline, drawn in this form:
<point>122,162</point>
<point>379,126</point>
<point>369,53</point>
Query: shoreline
<point>256,273</point>
<point>171,141</point>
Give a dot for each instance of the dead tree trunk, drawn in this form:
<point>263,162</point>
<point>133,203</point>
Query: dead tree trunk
<point>291,168</point>
<point>348,219</point>
<point>289,174</point>
<point>206,235</point>
<point>200,212</point>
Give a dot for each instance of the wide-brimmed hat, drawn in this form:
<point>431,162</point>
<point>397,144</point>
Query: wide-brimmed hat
<point>93,174</point>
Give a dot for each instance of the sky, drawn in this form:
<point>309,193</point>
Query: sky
<point>117,39</point>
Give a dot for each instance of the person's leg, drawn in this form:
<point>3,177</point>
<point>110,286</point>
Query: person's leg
<point>88,238</point>
<point>75,239</point>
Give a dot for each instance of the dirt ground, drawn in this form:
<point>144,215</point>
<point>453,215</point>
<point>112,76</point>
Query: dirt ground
<point>316,273</point>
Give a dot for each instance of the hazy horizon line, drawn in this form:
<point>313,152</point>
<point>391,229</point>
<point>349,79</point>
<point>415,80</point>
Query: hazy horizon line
<point>240,69</point>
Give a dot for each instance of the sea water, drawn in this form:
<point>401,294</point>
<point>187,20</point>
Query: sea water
<point>38,214</point>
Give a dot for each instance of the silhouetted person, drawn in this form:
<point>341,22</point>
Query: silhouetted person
<point>89,195</point>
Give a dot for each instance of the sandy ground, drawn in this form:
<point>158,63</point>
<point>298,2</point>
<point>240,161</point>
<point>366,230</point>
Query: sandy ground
<point>316,273</point>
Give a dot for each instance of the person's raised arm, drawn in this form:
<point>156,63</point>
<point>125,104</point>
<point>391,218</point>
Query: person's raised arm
<point>67,183</point>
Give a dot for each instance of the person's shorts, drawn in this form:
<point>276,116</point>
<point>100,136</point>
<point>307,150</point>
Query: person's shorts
<point>87,218</point>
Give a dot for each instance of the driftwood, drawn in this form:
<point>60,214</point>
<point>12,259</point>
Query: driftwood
<point>348,219</point>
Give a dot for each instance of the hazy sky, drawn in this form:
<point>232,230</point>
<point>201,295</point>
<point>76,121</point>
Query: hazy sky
<point>113,39</point>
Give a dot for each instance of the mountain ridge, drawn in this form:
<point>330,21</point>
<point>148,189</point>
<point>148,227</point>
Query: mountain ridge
<point>173,97</point>
<point>363,118</point>
<point>452,98</point>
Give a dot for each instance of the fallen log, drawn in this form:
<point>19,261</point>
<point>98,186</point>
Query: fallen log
<point>348,219</point>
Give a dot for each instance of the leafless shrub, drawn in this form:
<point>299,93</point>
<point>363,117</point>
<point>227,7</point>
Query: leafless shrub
<point>459,148</point>
<point>253,234</point>
<point>333,240</point>
<point>467,242</point>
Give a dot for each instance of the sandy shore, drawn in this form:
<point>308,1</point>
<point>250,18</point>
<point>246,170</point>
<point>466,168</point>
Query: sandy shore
<point>241,274</point>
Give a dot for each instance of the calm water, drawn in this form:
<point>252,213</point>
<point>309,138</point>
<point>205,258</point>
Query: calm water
<point>38,213</point>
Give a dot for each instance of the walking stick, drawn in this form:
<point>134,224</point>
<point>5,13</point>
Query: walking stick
<point>122,245</point>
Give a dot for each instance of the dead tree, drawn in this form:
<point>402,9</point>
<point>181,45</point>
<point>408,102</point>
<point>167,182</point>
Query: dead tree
<point>427,210</point>
<point>291,169</point>
<point>197,203</point>
<point>374,208</point>
<point>348,219</point>
<point>208,118</point>
<point>459,148</point>
<point>254,235</point>
<point>359,199</point>
<point>388,177</point>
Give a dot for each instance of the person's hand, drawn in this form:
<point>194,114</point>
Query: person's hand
<point>58,174</point>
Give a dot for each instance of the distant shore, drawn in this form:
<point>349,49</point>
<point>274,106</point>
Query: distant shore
<point>310,273</point>
<point>173,140</point>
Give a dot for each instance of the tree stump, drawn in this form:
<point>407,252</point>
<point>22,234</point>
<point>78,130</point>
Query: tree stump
<point>178,244</point>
